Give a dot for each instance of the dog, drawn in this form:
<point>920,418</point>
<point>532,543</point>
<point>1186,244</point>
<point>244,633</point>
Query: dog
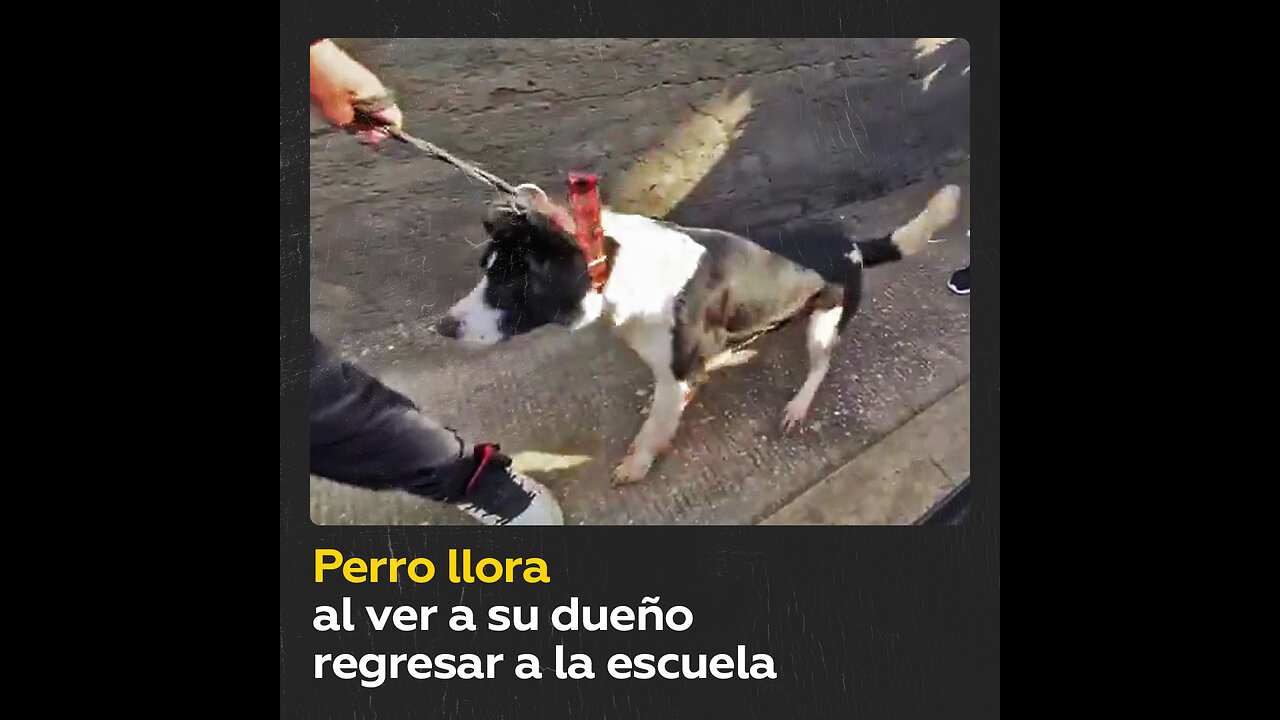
<point>683,298</point>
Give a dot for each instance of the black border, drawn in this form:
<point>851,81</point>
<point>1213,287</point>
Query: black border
<point>899,575</point>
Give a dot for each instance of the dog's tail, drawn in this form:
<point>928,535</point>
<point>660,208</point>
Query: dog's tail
<point>913,236</point>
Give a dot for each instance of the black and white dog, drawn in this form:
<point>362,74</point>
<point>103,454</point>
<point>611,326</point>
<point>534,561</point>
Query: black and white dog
<point>681,297</point>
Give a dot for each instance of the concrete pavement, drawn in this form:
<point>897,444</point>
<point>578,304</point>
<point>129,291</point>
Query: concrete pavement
<point>897,480</point>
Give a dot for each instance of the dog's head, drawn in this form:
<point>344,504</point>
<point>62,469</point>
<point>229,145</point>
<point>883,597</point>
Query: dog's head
<point>534,274</point>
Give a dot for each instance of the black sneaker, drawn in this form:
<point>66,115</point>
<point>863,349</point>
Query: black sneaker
<point>496,495</point>
<point>959,282</point>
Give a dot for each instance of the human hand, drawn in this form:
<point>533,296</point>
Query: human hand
<point>350,96</point>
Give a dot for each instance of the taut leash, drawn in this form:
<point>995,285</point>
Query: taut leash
<point>367,110</point>
<point>584,198</point>
<point>466,167</point>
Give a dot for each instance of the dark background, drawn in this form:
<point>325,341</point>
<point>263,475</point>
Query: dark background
<point>862,622</point>
<point>882,623</point>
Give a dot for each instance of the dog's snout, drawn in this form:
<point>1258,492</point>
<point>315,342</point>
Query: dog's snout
<point>449,327</point>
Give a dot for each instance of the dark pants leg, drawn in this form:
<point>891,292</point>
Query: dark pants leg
<point>364,433</point>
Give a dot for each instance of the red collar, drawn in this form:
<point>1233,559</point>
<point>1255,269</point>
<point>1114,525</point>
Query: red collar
<point>584,203</point>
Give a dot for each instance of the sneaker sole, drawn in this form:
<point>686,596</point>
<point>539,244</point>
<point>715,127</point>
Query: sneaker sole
<point>544,509</point>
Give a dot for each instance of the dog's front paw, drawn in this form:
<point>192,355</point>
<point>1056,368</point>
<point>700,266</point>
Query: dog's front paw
<point>632,469</point>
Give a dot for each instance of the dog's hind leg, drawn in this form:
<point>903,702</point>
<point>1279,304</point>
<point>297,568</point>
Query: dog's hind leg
<point>820,336</point>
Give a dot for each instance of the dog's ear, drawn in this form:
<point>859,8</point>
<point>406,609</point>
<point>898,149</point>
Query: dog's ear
<point>508,213</point>
<point>504,218</point>
<point>532,193</point>
<point>536,199</point>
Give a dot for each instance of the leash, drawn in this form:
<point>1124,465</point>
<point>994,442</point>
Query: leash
<point>466,167</point>
<point>367,112</point>
<point>584,198</point>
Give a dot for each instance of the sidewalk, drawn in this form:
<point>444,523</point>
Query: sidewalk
<point>897,480</point>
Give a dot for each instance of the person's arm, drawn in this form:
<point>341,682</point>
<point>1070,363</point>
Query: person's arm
<point>349,95</point>
<point>364,433</point>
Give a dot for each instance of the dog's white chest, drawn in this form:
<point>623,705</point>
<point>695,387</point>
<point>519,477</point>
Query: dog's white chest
<point>653,264</point>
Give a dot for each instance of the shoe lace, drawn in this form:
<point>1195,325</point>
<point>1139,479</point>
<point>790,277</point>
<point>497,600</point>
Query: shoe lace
<point>490,455</point>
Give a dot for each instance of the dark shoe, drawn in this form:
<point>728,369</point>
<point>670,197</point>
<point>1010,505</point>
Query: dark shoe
<point>496,495</point>
<point>959,282</point>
